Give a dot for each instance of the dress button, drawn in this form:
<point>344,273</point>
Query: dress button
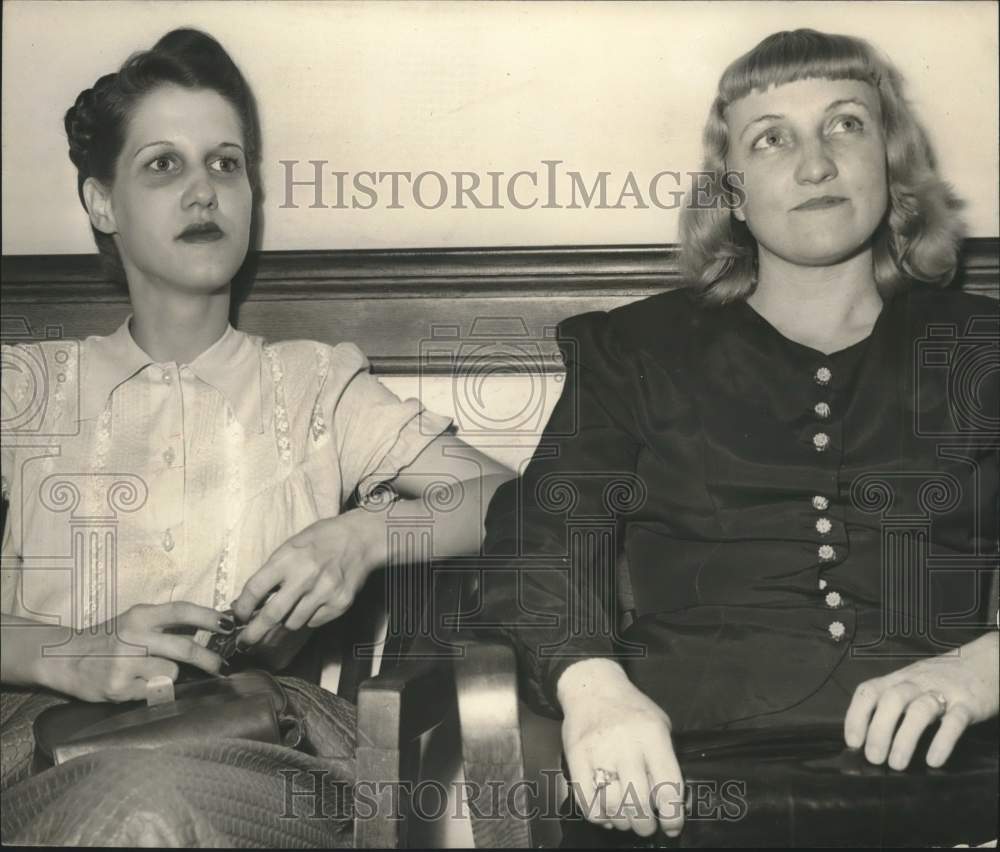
<point>826,553</point>
<point>833,599</point>
<point>823,526</point>
<point>167,378</point>
<point>168,456</point>
<point>821,441</point>
<point>837,630</point>
<point>820,503</point>
<point>822,410</point>
<point>822,584</point>
<point>823,376</point>
<point>168,541</point>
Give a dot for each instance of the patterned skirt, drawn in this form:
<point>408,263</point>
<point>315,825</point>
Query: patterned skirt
<point>191,793</point>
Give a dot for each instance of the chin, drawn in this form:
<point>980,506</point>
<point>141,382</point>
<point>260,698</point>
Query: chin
<point>209,278</point>
<point>818,252</point>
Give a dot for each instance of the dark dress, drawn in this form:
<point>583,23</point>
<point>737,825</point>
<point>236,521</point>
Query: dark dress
<point>794,523</point>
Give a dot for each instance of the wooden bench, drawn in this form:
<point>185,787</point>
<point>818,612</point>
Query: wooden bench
<point>442,325</point>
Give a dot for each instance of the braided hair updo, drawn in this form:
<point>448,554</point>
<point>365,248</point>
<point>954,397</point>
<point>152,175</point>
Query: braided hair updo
<point>96,125</point>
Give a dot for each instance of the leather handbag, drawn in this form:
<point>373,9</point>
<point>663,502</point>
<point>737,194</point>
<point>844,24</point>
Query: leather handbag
<point>801,787</point>
<point>247,705</point>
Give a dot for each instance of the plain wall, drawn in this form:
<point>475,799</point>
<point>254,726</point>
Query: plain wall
<point>477,87</point>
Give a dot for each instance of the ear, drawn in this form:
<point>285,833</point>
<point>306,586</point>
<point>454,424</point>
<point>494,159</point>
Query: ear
<point>98,200</point>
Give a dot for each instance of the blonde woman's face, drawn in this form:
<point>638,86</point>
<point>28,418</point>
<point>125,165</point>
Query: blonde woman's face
<point>181,199</point>
<point>812,154</point>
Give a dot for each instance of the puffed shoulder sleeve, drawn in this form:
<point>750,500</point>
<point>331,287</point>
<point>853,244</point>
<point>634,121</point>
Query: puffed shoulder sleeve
<point>375,433</point>
<point>552,535</point>
<point>13,388</point>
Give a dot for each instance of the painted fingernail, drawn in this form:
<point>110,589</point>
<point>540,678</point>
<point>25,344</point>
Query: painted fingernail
<point>227,624</point>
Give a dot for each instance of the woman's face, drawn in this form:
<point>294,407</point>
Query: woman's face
<point>181,201</point>
<point>813,160</point>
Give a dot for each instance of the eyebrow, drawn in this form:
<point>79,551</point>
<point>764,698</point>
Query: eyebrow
<point>168,142</point>
<point>834,105</point>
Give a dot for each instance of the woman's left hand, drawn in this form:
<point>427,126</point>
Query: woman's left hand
<point>960,689</point>
<point>315,576</point>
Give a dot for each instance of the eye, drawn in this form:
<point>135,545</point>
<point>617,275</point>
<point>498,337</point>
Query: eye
<point>226,165</point>
<point>163,164</point>
<point>847,124</point>
<point>772,138</point>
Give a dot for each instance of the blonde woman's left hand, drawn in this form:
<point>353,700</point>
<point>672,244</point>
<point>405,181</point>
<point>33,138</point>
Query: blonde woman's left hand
<point>315,576</point>
<point>888,715</point>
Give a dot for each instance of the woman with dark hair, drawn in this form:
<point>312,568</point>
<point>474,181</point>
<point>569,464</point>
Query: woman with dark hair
<point>800,496</point>
<point>227,461</point>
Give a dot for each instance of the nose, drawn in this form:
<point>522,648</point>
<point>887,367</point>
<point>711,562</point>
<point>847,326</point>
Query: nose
<point>815,164</point>
<point>201,191</point>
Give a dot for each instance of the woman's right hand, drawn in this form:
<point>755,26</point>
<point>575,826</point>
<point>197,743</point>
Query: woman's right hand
<point>114,661</point>
<point>611,725</point>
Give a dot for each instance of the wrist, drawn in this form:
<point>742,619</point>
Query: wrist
<point>23,659</point>
<point>368,529</point>
<point>590,677</point>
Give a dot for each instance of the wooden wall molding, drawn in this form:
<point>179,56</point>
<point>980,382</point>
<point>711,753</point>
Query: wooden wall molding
<point>405,308</point>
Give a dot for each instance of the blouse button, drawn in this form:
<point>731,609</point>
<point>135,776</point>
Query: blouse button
<point>823,526</point>
<point>823,376</point>
<point>168,541</point>
<point>822,584</point>
<point>833,600</point>
<point>167,378</point>
<point>820,503</point>
<point>168,456</point>
<point>826,553</point>
<point>837,630</point>
<point>821,441</point>
<point>822,410</point>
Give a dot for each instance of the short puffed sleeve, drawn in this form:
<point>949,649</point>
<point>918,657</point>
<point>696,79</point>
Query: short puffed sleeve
<point>14,384</point>
<point>374,433</point>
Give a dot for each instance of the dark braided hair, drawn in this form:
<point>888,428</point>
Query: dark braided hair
<point>96,125</point>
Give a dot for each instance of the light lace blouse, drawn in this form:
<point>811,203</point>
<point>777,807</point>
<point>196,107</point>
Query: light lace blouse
<point>131,481</point>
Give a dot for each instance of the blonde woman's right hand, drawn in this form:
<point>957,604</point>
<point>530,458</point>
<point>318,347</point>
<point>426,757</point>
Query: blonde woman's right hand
<point>115,660</point>
<point>613,732</point>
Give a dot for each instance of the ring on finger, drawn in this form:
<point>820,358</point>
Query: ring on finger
<point>604,778</point>
<point>939,697</point>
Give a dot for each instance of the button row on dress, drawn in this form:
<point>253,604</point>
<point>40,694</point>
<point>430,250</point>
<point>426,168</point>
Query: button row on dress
<point>168,541</point>
<point>168,456</point>
<point>826,553</point>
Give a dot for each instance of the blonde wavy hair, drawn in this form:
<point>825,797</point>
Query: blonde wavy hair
<point>921,232</point>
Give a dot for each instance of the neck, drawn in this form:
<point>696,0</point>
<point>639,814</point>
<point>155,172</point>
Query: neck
<point>826,307</point>
<point>169,327</point>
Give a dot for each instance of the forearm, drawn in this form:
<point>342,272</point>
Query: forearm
<point>22,643</point>
<point>455,518</point>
